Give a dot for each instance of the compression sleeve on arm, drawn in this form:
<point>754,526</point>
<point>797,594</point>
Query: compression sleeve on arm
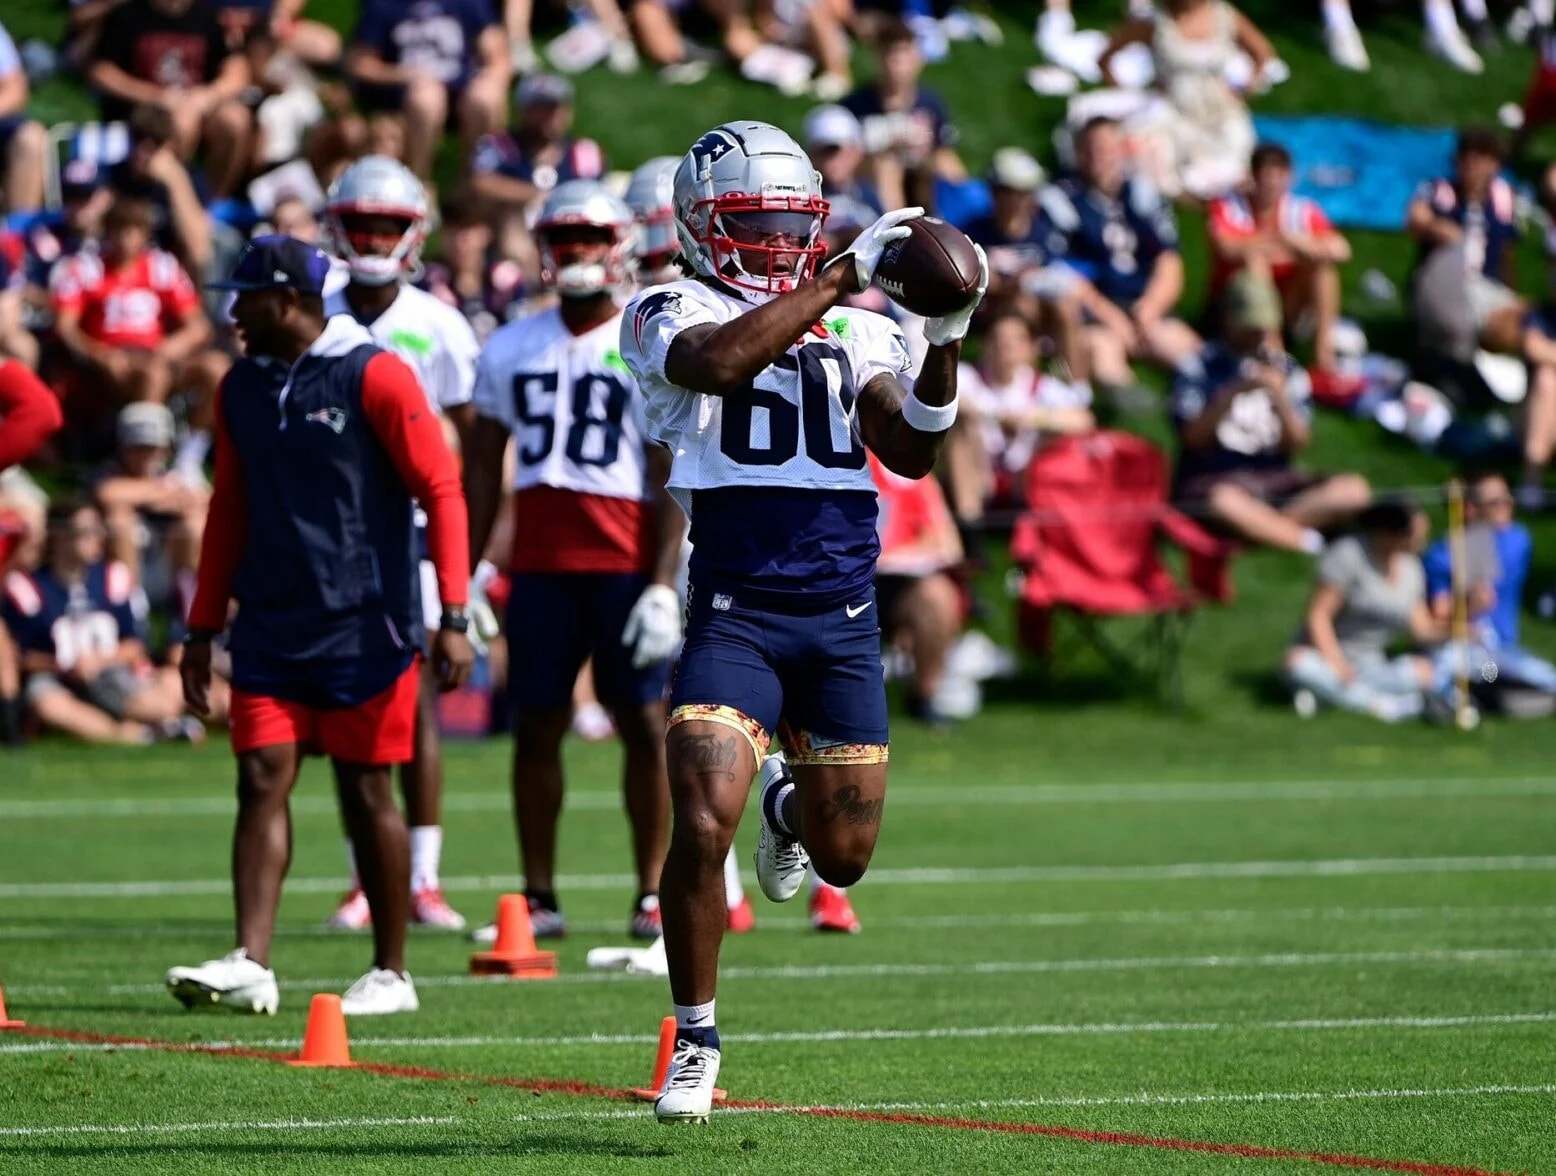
<point>409,431</point>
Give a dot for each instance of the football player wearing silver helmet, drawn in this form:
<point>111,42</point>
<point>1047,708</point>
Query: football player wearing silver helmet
<point>768,391</point>
<point>376,219</point>
<point>651,196</point>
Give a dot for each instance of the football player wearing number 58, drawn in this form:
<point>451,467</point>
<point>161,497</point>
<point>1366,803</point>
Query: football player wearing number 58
<point>596,537</point>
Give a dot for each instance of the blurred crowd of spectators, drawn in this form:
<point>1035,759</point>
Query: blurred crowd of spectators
<point>218,120</point>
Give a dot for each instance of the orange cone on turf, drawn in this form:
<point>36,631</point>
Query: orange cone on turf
<point>324,1041</point>
<point>662,1066</point>
<point>515,954</point>
<point>5,1021</point>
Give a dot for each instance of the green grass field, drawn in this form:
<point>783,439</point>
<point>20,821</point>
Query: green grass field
<point>1096,935</point>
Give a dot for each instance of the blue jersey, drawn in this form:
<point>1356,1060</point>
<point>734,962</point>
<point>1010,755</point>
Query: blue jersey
<point>91,616</point>
<point>437,37</point>
<point>1015,253</point>
<point>1113,243</point>
<point>1490,224</point>
<point>501,154</point>
<point>1515,550</point>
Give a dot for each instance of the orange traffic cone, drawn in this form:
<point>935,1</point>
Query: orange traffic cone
<point>515,954</point>
<point>662,1066</point>
<point>324,1041</point>
<point>5,1021</point>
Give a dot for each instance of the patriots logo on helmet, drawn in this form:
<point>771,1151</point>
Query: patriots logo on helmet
<point>712,147</point>
<point>667,302</point>
<point>332,418</point>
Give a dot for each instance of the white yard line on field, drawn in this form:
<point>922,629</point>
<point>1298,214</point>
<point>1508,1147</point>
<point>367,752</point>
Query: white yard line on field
<point>943,1033</point>
<point>200,930</point>
<point>1431,956</point>
<point>972,795</point>
<point>921,876</point>
<point>1123,1100</point>
<point>230,1126</point>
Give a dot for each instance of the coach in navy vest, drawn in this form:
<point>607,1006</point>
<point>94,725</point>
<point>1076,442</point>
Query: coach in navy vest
<point>322,442</point>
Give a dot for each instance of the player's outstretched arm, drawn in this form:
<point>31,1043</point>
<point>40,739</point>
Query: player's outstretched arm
<point>907,430</point>
<point>719,360</point>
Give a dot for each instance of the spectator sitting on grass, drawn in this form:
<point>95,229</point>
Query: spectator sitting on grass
<point>1115,231</point>
<point>23,141</point>
<point>909,138</point>
<point>1371,593</point>
<point>834,141</point>
<point>1498,552</point>
<point>153,172</point>
<point>1466,230</point>
<point>1008,406</point>
<point>1271,231</point>
<point>155,517</point>
<point>435,62</point>
<point>173,54</point>
<point>1539,408</point>
<point>1242,409</point>
<point>78,624</point>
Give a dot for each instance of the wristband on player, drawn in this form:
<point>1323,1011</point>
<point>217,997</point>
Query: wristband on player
<point>456,618</point>
<point>928,418</point>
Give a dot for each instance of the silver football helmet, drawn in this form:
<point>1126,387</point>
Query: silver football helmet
<point>376,186</point>
<point>651,197</point>
<point>585,237</point>
<point>749,209</point>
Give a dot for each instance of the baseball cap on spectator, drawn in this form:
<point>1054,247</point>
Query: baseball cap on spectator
<point>1253,303</point>
<point>278,263</point>
<point>832,126</point>
<point>1014,168</point>
<point>543,89</point>
<point>79,179</point>
<point>145,423</point>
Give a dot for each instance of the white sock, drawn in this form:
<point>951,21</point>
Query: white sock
<point>1474,10</point>
<point>734,892</point>
<point>694,1016</point>
<point>1337,14</point>
<point>1312,542</point>
<point>192,450</point>
<point>426,850</point>
<point>351,860</point>
<point>1440,20</point>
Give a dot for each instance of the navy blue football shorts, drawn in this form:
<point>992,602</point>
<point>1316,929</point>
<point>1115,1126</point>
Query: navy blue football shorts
<point>814,680</point>
<point>557,621</point>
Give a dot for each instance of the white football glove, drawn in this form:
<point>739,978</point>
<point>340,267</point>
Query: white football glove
<point>653,626</point>
<point>868,246</point>
<point>948,328</point>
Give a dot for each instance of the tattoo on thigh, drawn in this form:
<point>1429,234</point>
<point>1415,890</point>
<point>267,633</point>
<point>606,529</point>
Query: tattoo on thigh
<point>707,753</point>
<point>847,805</point>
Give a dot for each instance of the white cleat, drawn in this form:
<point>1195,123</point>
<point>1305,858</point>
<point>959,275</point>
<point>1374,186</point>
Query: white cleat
<point>1454,47</point>
<point>234,981</point>
<point>687,1096</point>
<point>1346,48</point>
<point>781,861</point>
<point>380,993</point>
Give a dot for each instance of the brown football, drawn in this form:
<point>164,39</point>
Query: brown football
<point>932,272</point>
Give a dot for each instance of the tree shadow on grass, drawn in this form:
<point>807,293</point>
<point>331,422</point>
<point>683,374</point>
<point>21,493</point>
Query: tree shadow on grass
<point>357,1149</point>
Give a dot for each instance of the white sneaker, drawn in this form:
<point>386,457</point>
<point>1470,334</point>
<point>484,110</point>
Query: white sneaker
<point>379,993</point>
<point>485,935</point>
<point>1455,48</point>
<point>688,1092</point>
<point>1346,48</point>
<point>234,980</point>
<point>781,861</point>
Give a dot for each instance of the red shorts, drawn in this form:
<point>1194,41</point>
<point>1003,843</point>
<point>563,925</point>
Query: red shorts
<point>1540,99</point>
<point>381,730</point>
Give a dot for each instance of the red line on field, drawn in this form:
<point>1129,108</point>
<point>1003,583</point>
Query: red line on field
<point>590,1090</point>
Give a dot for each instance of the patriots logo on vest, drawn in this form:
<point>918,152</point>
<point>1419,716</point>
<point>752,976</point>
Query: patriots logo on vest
<point>334,418</point>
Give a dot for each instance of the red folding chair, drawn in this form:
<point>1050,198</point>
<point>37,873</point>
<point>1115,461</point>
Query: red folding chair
<point>1088,549</point>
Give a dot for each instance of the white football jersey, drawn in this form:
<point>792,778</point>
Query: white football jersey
<point>795,428</point>
<point>571,403</point>
<point>429,335</point>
